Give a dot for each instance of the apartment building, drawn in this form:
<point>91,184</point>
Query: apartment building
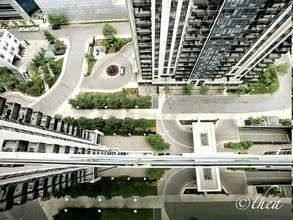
<point>10,48</point>
<point>24,130</point>
<point>17,9</point>
<point>210,42</point>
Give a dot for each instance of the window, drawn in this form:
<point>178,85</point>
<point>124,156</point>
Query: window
<point>8,60</point>
<point>6,44</point>
<point>12,48</point>
<point>15,41</point>
<point>4,48</point>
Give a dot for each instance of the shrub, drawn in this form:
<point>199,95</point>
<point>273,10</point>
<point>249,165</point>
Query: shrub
<point>157,142</point>
<point>155,173</point>
<point>187,90</point>
<point>240,145</point>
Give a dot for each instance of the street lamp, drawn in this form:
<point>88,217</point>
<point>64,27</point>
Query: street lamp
<point>135,211</point>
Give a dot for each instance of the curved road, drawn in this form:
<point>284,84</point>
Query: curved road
<point>99,79</point>
<point>78,35</point>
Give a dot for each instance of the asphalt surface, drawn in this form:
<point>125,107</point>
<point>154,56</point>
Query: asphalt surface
<point>178,180</point>
<point>232,104</point>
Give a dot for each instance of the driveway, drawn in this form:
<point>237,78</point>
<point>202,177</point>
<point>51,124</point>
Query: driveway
<point>78,35</point>
<point>100,80</point>
<point>232,103</point>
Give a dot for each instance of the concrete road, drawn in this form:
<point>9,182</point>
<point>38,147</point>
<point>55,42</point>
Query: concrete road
<point>100,80</point>
<point>175,131</point>
<point>226,130</point>
<point>232,104</point>
<point>78,35</point>
<point>265,134</point>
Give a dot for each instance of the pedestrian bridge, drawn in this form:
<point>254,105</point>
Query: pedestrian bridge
<point>141,161</point>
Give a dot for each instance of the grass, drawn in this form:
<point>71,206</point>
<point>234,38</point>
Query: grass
<point>262,89</point>
<point>91,63</point>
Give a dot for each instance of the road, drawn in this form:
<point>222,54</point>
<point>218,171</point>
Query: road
<point>100,80</point>
<point>222,211</point>
<point>175,131</point>
<point>268,177</point>
<point>232,104</point>
<point>78,35</point>
<point>265,134</point>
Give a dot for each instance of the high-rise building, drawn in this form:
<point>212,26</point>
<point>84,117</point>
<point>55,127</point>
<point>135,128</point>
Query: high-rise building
<point>10,48</point>
<point>85,10</point>
<point>17,9</point>
<point>24,130</point>
<point>209,41</point>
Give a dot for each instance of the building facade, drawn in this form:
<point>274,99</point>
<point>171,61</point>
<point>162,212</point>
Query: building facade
<point>211,42</point>
<point>10,48</point>
<point>85,10</point>
<point>24,130</point>
<point>17,9</point>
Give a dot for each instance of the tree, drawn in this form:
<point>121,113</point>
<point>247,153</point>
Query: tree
<point>167,89</point>
<point>155,173</point>
<point>285,122</point>
<point>49,37</point>
<point>221,89</point>
<point>157,142</point>
<point>109,31</point>
<point>187,89</point>
<point>57,19</point>
<point>127,124</point>
<point>241,90</point>
<point>204,90</point>
<point>89,57</point>
<point>282,68</point>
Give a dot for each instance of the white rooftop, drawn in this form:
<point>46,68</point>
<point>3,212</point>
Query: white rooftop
<point>204,143</point>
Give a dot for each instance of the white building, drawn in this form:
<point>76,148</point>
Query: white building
<point>10,48</point>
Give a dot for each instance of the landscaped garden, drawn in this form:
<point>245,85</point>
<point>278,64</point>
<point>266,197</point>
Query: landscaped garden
<point>42,70</point>
<point>111,42</point>
<point>126,99</point>
<point>113,125</point>
<point>109,187</point>
<point>269,82</point>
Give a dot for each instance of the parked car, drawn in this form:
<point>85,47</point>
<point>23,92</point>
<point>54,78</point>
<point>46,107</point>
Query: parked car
<point>34,29</point>
<point>26,75</point>
<point>122,70</point>
<point>56,27</point>
<point>23,29</point>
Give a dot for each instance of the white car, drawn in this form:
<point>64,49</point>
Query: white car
<point>33,29</point>
<point>23,30</point>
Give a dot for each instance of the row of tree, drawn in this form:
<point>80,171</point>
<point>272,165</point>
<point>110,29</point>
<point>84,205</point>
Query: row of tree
<point>108,188</point>
<point>111,101</point>
<point>114,125</point>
